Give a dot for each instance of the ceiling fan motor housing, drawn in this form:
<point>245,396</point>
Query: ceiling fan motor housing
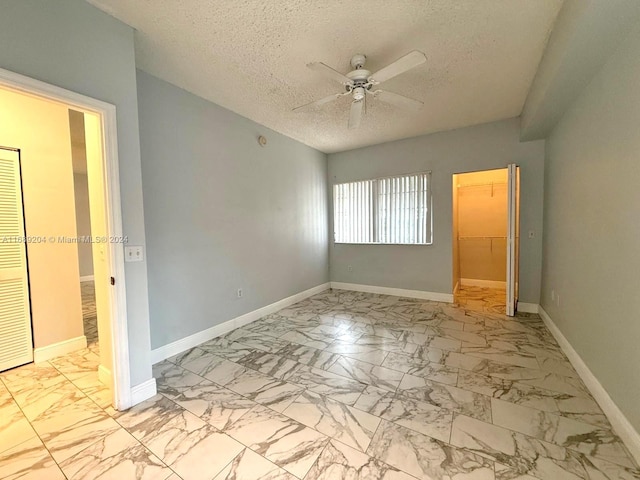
<point>360,79</point>
<point>358,60</point>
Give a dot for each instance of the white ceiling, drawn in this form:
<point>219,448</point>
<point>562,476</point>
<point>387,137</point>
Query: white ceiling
<point>250,55</point>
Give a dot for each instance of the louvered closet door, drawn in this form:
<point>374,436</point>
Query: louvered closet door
<point>16,345</point>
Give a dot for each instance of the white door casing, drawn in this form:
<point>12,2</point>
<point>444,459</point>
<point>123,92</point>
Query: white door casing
<point>513,238</point>
<point>122,389</point>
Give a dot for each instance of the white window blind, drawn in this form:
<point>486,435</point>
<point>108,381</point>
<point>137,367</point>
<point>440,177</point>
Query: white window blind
<point>394,210</point>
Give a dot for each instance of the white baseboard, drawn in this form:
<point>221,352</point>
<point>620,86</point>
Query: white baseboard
<point>87,278</point>
<point>475,282</point>
<point>171,349</point>
<point>104,375</point>
<point>43,354</point>
<point>143,391</point>
<point>528,307</point>
<point>396,292</point>
<point>619,422</point>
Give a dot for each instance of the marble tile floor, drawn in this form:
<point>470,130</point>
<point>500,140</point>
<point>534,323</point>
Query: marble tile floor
<point>89,314</point>
<point>343,385</point>
<point>491,300</point>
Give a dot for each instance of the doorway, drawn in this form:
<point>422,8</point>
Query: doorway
<point>102,309</point>
<point>484,248</point>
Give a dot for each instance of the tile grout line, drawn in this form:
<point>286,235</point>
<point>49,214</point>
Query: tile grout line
<point>326,445</point>
<point>103,437</point>
<point>279,413</point>
<point>37,435</point>
<point>578,452</point>
<point>44,444</point>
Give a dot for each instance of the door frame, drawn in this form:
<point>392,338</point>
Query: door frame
<point>110,168</point>
<point>510,276</point>
<point>513,239</point>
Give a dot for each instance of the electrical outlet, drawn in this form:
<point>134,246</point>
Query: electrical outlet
<point>350,268</point>
<point>133,254</point>
<point>532,234</point>
<point>239,293</point>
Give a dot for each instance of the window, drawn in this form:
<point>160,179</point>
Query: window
<point>392,210</point>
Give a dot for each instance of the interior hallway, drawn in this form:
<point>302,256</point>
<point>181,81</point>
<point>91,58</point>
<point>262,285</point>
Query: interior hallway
<point>89,313</point>
<point>341,385</point>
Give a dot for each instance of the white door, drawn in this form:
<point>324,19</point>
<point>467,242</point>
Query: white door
<point>16,344</point>
<point>100,251</point>
<point>513,238</point>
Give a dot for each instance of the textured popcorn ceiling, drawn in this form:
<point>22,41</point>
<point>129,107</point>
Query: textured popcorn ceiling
<point>250,55</point>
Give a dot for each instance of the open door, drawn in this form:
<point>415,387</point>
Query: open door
<point>16,342</point>
<point>100,251</point>
<point>513,238</point>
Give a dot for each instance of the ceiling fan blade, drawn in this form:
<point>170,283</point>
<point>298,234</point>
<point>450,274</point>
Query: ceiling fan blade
<point>320,102</point>
<point>355,115</point>
<point>398,100</point>
<point>409,61</point>
<point>330,73</point>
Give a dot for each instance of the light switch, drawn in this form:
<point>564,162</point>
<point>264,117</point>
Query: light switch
<point>133,254</point>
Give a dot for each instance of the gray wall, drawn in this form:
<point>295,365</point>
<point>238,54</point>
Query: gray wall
<point>592,226</point>
<point>429,268</point>
<point>75,46</point>
<point>224,213</point>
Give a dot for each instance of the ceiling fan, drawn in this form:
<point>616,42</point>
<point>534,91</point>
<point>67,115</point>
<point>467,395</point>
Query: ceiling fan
<point>360,82</point>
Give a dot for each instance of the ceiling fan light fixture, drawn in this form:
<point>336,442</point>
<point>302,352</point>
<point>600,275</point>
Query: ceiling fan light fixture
<point>359,82</point>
